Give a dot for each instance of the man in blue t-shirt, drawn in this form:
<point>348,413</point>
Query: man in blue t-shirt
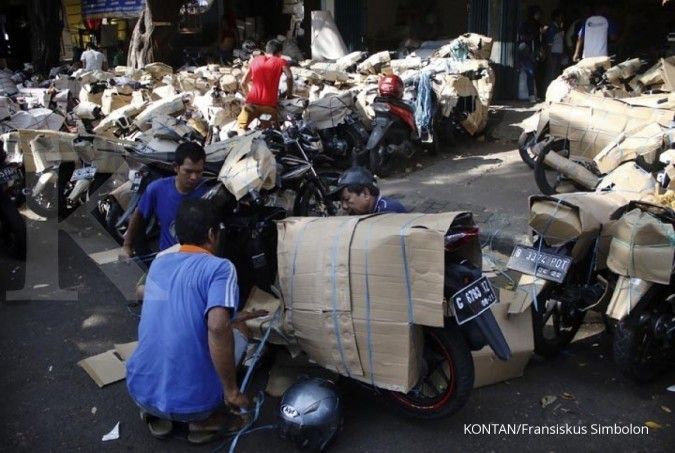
<point>357,190</point>
<point>184,368</point>
<point>163,196</point>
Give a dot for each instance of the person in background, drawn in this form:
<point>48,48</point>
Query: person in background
<point>189,340</point>
<point>358,192</point>
<point>555,43</point>
<point>92,59</point>
<point>119,59</point>
<point>572,34</point>
<point>163,197</point>
<point>595,33</point>
<point>260,85</point>
<point>529,48</point>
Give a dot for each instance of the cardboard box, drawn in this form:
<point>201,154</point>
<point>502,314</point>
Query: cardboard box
<point>394,349</point>
<point>578,216</point>
<point>357,290</point>
<point>114,99</point>
<point>645,142</point>
<point>517,329</point>
<point>641,247</point>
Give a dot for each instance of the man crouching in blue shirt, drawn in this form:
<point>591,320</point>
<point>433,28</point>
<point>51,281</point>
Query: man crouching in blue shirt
<point>358,192</point>
<point>184,369</point>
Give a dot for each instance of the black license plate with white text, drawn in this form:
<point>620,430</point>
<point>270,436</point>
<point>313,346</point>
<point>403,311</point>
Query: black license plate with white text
<point>473,299</point>
<point>544,265</point>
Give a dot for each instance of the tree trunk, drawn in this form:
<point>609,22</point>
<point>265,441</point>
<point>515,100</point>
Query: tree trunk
<point>45,30</point>
<point>153,33</point>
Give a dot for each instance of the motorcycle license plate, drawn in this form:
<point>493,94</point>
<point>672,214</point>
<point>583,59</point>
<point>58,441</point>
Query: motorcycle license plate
<point>544,265</point>
<point>474,299</point>
<point>83,173</point>
<point>8,174</point>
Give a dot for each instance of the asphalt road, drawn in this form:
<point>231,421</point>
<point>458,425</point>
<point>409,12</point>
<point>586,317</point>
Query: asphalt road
<point>50,404</point>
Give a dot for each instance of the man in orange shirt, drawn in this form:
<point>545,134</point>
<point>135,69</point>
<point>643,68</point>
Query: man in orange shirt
<point>260,85</point>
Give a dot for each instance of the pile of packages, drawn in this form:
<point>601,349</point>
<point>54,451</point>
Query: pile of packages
<point>628,79</point>
<point>137,104</point>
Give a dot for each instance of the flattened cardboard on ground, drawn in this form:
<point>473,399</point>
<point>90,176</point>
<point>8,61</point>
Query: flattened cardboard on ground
<point>517,329</point>
<point>641,247</point>
<point>124,350</point>
<point>287,370</point>
<point>104,368</point>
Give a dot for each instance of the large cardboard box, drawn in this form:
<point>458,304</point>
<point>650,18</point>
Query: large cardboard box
<point>642,247</point>
<point>357,289</point>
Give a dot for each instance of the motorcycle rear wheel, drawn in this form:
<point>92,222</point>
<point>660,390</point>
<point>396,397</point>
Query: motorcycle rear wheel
<point>447,381</point>
<point>381,163</point>
<point>551,339</point>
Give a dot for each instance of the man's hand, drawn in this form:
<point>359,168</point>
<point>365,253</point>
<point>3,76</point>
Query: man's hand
<point>235,399</point>
<point>126,252</point>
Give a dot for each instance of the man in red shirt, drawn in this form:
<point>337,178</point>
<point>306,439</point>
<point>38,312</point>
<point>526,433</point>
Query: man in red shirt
<point>260,85</point>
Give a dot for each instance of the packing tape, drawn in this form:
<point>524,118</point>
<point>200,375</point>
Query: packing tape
<point>296,246</point>
<point>406,269</point>
<point>336,324</point>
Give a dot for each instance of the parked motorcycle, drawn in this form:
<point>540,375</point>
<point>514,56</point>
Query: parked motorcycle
<point>343,135</point>
<point>249,240</point>
<point>395,137</point>
<point>570,264</point>
<point>643,303</point>
<point>12,224</point>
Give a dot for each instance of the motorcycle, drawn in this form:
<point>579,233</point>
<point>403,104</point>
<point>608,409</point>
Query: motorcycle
<point>569,264</point>
<point>12,224</point>
<point>395,135</point>
<point>643,302</point>
<point>343,135</point>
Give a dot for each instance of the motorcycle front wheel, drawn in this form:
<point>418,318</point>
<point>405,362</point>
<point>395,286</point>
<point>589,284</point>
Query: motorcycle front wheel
<point>549,181</point>
<point>311,202</point>
<point>637,354</point>
<point>447,377</point>
<point>553,329</point>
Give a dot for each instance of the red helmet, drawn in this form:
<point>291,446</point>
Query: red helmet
<point>391,85</point>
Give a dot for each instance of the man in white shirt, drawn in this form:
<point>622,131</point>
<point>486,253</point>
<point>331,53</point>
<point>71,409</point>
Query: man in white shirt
<point>594,34</point>
<point>92,59</point>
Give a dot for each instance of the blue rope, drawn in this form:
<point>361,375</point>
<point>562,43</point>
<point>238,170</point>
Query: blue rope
<point>424,105</point>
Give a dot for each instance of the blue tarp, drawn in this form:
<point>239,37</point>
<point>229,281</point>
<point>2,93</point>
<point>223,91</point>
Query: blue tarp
<point>112,8</point>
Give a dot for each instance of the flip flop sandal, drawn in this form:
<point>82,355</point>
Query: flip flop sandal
<point>203,437</point>
<point>158,427</point>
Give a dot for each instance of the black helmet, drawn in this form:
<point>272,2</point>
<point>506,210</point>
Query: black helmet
<point>310,413</point>
<point>354,176</point>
